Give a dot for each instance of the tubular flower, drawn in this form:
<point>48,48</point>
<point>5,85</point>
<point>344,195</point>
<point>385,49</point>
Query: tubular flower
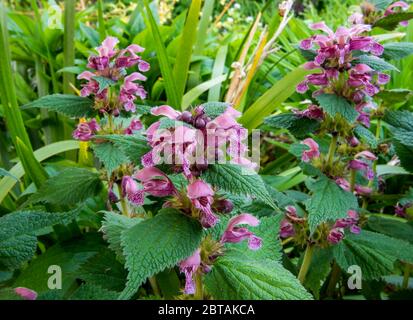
<point>234,234</point>
<point>86,130</point>
<point>25,293</point>
<point>336,234</point>
<point>201,196</point>
<point>312,153</point>
<point>131,190</point>
<point>155,182</point>
<point>189,266</point>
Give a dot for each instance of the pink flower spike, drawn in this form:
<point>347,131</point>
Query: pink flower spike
<point>189,266</point>
<point>313,152</point>
<point>26,293</point>
<point>166,111</point>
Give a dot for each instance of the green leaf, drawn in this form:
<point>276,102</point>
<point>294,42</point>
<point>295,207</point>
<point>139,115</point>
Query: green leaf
<point>103,82</point>
<point>69,256</point>
<point>69,187</point>
<point>319,269</point>
<point>328,202</point>
<point>393,96</point>
<point>186,44</point>
<point>399,119</point>
<point>111,156</point>
<point>67,104</point>
<point>384,169</point>
<point>397,50</point>
<point>169,81</point>
<point>376,63</point>
<point>405,155</point>
<point>381,4</point>
<point>366,136</point>
<point>7,183</point>
<point>271,245</point>
<point>333,105</point>
<point>391,21</point>
<point>391,227</point>
<point>5,173</point>
<point>214,109</point>
<point>238,180</point>
<point>219,68</point>
<point>112,227</point>
<point>374,253</point>
<point>132,146</point>
<point>166,123</point>
<point>298,126</point>
<point>297,149</point>
<point>105,271</point>
<point>239,278</point>
<point>272,98</point>
<point>18,231</point>
<point>156,244</point>
<point>93,292</point>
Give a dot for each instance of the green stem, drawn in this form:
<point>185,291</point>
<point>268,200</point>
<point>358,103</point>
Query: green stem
<point>332,150</point>
<point>308,254</point>
<point>378,128</point>
<point>335,276</point>
<point>352,179</point>
<point>406,276</point>
<point>123,202</point>
<point>199,292</point>
<point>154,285</point>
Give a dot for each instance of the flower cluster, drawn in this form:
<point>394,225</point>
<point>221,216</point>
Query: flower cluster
<point>370,13</point>
<point>341,74</point>
<point>109,71</point>
<point>292,224</point>
<point>232,234</point>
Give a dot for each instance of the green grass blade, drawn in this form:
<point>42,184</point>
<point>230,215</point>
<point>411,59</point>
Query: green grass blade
<point>69,44</point>
<point>219,66</point>
<point>162,55</point>
<point>183,58</point>
<point>272,98</point>
<point>7,183</point>
<point>194,93</point>
<point>101,20</point>
<point>8,97</point>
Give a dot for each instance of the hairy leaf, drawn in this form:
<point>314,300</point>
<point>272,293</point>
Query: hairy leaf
<point>366,136</point>
<point>333,105</point>
<point>397,50</point>
<point>376,63</point>
<point>214,109</point>
<point>391,21</point>
<point>111,156</point>
<point>156,244</point>
<point>298,126</point>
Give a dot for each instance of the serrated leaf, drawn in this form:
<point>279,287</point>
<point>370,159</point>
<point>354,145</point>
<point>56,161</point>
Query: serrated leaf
<point>397,50</point>
<point>105,271</point>
<point>69,187</point>
<point>374,253</point>
<point>385,169</point>
<point>166,123</point>
<point>391,21</point>
<point>156,244</point>
<point>393,96</point>
<point>238,180</point>
<point>333,105</point>
<point>214,109</point>
<point>399,119</point>
<point>405,155</point>
<point>103,82</point>
<point>112,227</point>
<point>366,136</point>
<point>328,202</point>
<point>391,227</point>
<point>69,105</point>
<point>132,146</point>
<point>68,256</point>
<point>381,4</point>
<point>18,234</point>
<point>111,156</point>
<point>298,126</point>
<point>237,278</point>
<point>376,63</point>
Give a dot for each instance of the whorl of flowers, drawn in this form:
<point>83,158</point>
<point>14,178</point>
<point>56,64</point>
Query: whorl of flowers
<point>336,57</point>
<point>369,13</point>
<point>108,80</point>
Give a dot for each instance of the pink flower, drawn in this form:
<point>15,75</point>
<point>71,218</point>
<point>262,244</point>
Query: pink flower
<point>166,111</point>
<point>155,182</point>
<point>343,184</point>
<point>189,266</point>
<point>25,293</point>
<point>286,229</point>
<point>234,234</point>
<point>86,130</point>
<point>365,155</point>
<point>312,112</point>
<point>135,125</point>
<point>107,49</point>
<point>131,190</point>
<point>335,235</point>
<point>398,4</point>
<point>401,210</point>
<point>313,152</point>
<point>201,196</point>
<point>130,90</point>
